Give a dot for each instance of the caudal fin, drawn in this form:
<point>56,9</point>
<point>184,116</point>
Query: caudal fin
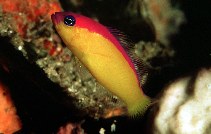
<point>139,107</point>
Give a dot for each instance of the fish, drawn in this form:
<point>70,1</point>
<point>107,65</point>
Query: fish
<point>103,51</point>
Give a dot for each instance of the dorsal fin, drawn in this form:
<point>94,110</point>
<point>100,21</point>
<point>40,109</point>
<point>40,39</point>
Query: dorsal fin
<point>122,38</point>
<point>140,67</point>
<point>128,46</point>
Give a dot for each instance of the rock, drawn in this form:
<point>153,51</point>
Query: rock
<point>185,106</point>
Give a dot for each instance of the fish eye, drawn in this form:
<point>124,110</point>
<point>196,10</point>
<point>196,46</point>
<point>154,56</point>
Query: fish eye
<point>69,20</point>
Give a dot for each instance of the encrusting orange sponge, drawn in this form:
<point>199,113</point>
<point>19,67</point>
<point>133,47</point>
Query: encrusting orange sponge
<point>9,120</point>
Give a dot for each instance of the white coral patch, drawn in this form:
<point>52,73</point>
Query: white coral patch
<point>185,106</point>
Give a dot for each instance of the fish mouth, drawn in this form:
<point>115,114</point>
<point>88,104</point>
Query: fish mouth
<point>55,18</point>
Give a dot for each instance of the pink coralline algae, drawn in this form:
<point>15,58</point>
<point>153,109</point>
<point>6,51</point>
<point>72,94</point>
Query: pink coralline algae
<point>29,11</point>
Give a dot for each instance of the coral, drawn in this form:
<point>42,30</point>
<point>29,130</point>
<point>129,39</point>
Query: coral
<point>184,107</point>
<point>71,128</point>
<point>165,17</point>
<point>28,12</point>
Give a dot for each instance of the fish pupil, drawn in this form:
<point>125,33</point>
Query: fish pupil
<point>69,20</point>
